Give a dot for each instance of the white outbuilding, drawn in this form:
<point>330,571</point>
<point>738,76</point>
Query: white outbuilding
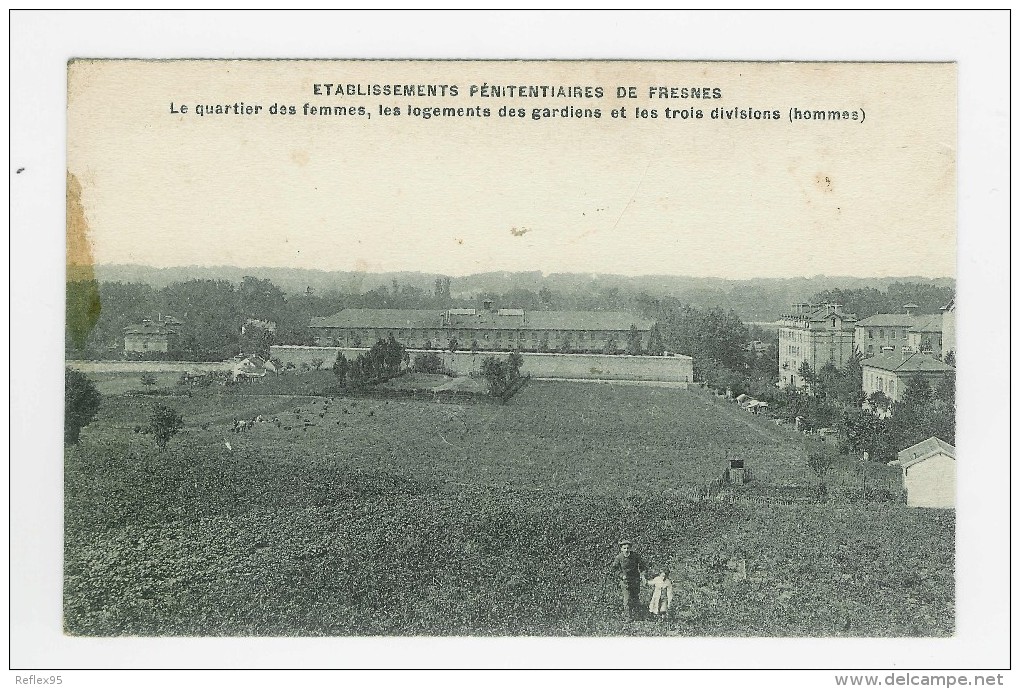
<point>929,473</point>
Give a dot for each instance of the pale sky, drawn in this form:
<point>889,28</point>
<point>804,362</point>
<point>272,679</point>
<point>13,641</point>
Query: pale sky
<point>728,198</point>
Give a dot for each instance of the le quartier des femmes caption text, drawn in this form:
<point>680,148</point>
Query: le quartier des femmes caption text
<point>519,102</point>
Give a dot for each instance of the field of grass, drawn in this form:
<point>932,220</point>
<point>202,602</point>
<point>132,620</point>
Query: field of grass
<point>360,516</point>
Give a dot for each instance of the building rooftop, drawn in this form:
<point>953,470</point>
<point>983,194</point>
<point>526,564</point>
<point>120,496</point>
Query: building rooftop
<point>887,320</point>
<point>433,319</point>
<point>923,450</point>
<point>819,313</point>
<point>927,324</point>
<point>147,328</point>
<point>908,363</point>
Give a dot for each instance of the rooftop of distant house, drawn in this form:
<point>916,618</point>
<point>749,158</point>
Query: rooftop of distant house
<point>904,362</point>
<point>818,313</point>
<point>161,326</point>
<point>910,319</point>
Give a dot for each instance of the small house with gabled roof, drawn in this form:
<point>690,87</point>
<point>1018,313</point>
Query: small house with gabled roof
<point>929,473</point>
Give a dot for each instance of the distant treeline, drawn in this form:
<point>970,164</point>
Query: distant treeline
<point>756,299</point>
<point>868,301</point>
<point>215,310</point>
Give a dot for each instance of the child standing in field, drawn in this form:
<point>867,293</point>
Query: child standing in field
<point>662,595</point>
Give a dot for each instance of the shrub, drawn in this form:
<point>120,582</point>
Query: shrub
<point>429,363</point>
<point>164,424</point>
<point>504,376</point>
<point>81,404</point>
<point>148,380</point>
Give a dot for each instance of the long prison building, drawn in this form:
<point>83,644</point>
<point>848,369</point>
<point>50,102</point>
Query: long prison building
<point>487,329</point>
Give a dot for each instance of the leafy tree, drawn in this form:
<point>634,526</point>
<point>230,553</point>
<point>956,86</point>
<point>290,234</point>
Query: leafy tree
<point>546,297</point>
<point>504,376</point>
<point>317,363</point>
<point>633,340</point>
<point>256,340</point>
<point>655,342</point>
<point>258,298</point>
<point>566,344</point>
<point>923,412</point>
<point>950,358</point>
<point>164,423</point>
<point>820,463</point>
<point>209,309</point>
<point>879,402</point>
<point>918,393</point>
<point>81,404</point>
<point>452,345</point>
<point>806,373</point>
<point>357,374</point>
<point>862,431</point>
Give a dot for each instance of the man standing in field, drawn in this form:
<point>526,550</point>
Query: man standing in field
<point>631,569</point>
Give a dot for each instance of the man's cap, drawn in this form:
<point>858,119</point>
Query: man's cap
<point>626,542</point>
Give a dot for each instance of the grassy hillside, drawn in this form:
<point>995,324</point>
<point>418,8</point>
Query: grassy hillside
<point>377,517</point>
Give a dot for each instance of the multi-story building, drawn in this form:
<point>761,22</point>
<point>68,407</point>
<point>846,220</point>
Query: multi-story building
<point>487,329</point>
<point>890,372</point>
<point>949,327</point>
<point>900,332</point>
<point>815,334</point>
<point>885,331</point>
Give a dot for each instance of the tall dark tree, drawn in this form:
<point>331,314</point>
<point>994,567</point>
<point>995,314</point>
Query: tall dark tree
<point>341,367</point>
<point>81,404</point>
<point>633,340</point>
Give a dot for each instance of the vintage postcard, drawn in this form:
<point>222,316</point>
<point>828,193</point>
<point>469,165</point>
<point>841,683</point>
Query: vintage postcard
<point>510,348</point>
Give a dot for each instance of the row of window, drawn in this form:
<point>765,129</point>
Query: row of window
<point>892,334</point>
<point>882,384</point>
<point>535,335</point>
<point>793,335</point>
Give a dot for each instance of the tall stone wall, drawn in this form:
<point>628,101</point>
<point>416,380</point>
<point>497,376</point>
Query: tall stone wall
<point>674,369</point>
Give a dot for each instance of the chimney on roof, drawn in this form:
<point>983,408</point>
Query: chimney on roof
<point>910,308</point>
<point>487,305</point>
<point>832,308</point>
